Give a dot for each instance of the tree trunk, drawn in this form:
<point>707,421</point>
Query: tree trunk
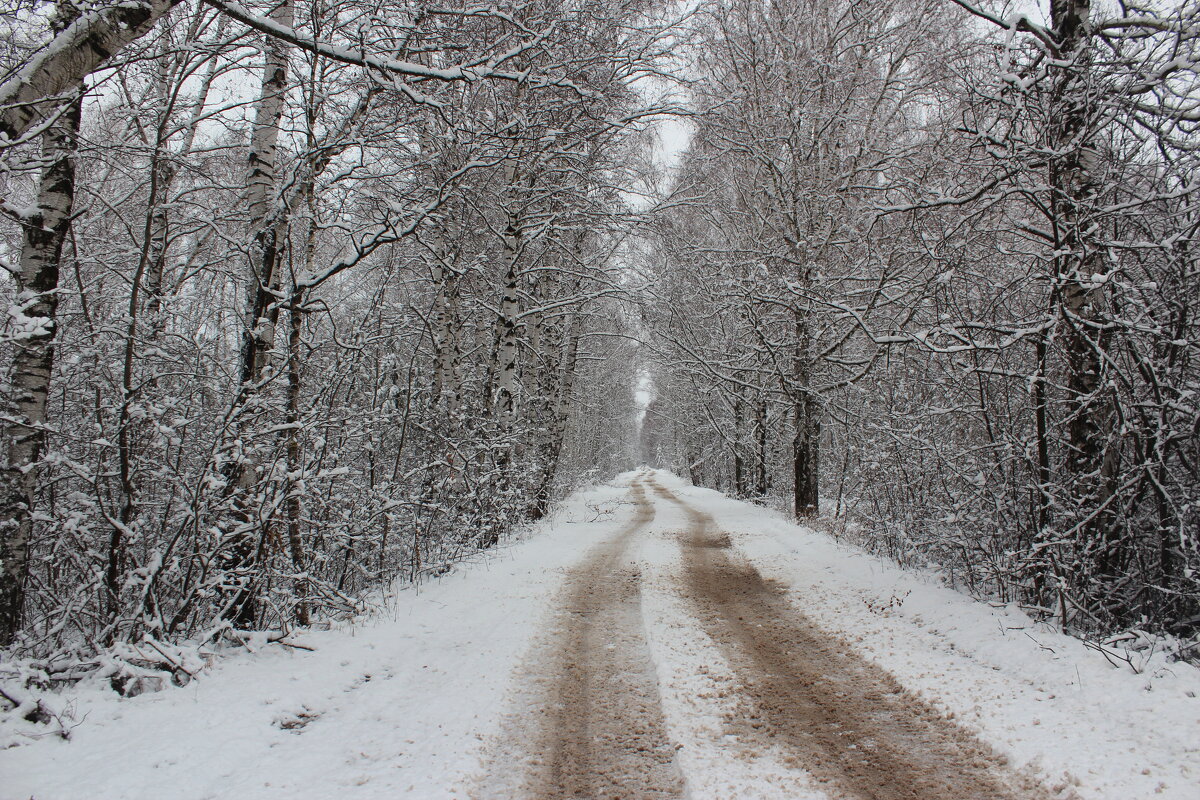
<point>761,485</point>
<point>557,427</point>
<point>508,351</point>
<point>79,48</point>
<point>262,314</point>
<point>23,428</point>
<point>806,434</point>
<point>147,275</point>
<point>295,459</point>
<point>446,388</point>
<point>806,455</point>
<point>740,477</point>
<point>1086,332</point>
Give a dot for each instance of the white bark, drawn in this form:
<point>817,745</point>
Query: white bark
<point>32,329</point>
<point>508,351</point>
<point>262,311</point>
<point>38,89</point>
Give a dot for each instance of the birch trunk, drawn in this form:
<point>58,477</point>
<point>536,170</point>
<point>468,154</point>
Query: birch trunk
<point>262,314</point>
<point>508,349</point>
<point>507,353</point>
<point>32,330</point>
<point>81,47</point>
<point>262,306</point>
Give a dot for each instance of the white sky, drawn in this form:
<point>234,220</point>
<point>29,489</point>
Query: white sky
<point>673,137</point>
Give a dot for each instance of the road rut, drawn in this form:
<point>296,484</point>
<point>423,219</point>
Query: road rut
<point>839,717</point>
<point>596,728</point>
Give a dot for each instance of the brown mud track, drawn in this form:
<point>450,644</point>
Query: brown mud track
<point>837,716</point>
<point>596,727</point>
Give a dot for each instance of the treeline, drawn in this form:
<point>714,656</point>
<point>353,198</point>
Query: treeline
<point>931,271</point>
<point>302,297</point>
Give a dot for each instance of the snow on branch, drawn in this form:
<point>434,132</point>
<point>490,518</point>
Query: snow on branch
<point>79,50</point>
<point>463,72</point>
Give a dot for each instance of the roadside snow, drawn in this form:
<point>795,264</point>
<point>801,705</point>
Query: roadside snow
<point>397,705</point>
<point>1038,696</point>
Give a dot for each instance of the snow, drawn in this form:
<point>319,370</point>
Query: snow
<point>405,703</point>
<point>396,706</point>
<point>1038,696</point>
<point>20,326</point>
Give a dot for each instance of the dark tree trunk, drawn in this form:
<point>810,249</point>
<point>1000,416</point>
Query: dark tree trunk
<point>1091,453</point>
<point>806,433</point>
<point>761,485</point>
<point>740,477</point>
<point>806,456</point>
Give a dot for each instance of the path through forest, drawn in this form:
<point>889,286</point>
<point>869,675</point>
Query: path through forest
<point>650,640</point>
<point>599,731</point>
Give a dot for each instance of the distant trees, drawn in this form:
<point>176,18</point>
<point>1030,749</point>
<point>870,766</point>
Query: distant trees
<point>982,227</point>
<point>304,301</point>
<point>807,111</point>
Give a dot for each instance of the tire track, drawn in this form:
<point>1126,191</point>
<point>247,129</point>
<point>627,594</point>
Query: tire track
<point>838,716</point>
<point>595,728</point>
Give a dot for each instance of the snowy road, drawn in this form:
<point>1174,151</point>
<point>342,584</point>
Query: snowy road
<point>593,725</point>
<point>832,713</point>
<point>651,640</point>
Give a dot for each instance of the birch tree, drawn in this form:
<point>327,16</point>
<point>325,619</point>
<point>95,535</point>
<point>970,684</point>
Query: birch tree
<point>30,329</point>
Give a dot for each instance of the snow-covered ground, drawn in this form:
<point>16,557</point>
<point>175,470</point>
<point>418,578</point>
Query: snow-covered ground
<point>1038,696</point>
<point>397,705</point>
<point>404,704</point>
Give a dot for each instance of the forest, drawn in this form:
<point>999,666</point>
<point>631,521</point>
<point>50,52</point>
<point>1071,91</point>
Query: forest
<point>304,298</point>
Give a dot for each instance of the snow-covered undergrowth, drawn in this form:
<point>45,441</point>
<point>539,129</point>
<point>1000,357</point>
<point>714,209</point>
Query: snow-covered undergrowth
<point>1047,700</point>
<point>395,705</point>
<point>37,699</point>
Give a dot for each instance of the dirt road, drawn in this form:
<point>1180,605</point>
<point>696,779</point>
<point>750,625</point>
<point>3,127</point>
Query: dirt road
<point>595,722</point>
<point>843,720</point>
<point>595,726</point>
